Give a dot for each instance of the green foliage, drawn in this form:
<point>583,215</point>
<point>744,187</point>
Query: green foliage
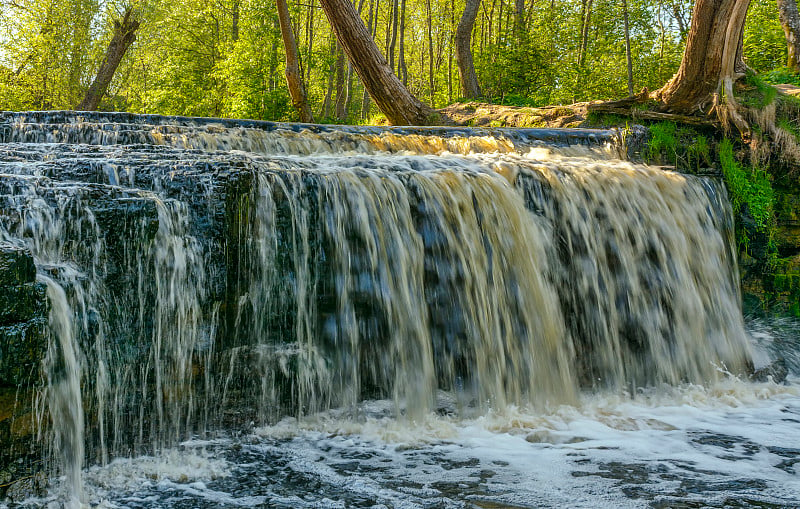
<point>698,152</point>
<point>790,125</point>
<point>781,75</point>
<point>663,141</point>
<point>764,40</point>
<point>46,52</point>
<point>749,187</point>
<point>785,285</point>
<point>757,93</point>
<point>595,119</point>
<point>520,100</point>
<point>187,60</point>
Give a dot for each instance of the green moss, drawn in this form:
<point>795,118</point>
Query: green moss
<point>756,93</point>
<point>784,290</point>
<point>749,187</point>
<point>562,111</point>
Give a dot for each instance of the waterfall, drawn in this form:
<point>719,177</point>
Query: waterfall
<point>208,275</point>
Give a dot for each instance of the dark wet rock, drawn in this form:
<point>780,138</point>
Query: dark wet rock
<point>775,372</point>
<point>22,303</point>
<point>20,455</point>
<point>22,348</point>
<point>23,307</point>
<point>30,486</point>
<point>16,265</point>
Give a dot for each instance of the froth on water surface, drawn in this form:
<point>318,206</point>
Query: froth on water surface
<point>729,444</point>
<point>421,303</point>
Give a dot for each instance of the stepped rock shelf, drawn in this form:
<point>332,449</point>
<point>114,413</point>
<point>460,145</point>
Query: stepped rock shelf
<point>165,277</point>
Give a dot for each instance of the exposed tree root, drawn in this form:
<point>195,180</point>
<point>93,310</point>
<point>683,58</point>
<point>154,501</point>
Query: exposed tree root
<point>773,139</point>
<point>642,114</point>
<point>758,127</point>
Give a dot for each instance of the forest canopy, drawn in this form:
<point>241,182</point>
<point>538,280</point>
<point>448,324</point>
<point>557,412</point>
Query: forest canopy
<point>225,58</point>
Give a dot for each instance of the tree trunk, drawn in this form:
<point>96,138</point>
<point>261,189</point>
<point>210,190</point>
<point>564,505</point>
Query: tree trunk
<point>790,21</point>
<point>466,67</point>
<point>393,99</point>
<point>235,21</point>
<point>402,69</point>
<point>294,76</point>
<point>450,53</point>
<point>431,79</point>
<point>124,35</point>
<point>678,15</point>
<point>372,29</point>
<point>393,40</point>
<point>340,112</point>
<point>310,40</point>
<point>326,103</point>
<point>587,22</point>
<point>711,62</point>
<point>519,18</point>
<point>273,59</point>
<point>628,46</point>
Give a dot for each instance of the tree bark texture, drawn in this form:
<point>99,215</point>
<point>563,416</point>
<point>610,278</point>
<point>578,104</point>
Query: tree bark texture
<point>402,68</point>
<point>393,99</point>
<point>372,29</point>
<point>431,77</point>
<point>294,76</point>
<point>586,18</point>
<point>790,21</point>
<point>628,47</point>
<point>393,40</point>
<point>124,35</point>
<point>466,66</point>
<point>235,21</point>
<point>519,18</point>
<point>712,60</point>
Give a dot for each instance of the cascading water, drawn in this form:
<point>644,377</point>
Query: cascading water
<point>207,276</point>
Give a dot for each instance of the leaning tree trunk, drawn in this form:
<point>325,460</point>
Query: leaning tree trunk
<point>124,35</point>
<point>294,76</point>
<point>790,20</point>
<point>711,63</point>
<point>393,99</point>
<point>466,67</point>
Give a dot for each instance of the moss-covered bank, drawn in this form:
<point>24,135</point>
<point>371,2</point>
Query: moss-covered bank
<point>764,189</point>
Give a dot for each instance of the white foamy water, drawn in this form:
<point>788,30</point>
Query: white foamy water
<point>453,319</point>
<point>732,444</point>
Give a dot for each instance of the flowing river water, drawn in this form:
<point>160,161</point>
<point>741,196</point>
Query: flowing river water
<point>248,314</point>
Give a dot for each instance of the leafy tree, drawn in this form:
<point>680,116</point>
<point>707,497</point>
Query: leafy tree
<point>764,40</point>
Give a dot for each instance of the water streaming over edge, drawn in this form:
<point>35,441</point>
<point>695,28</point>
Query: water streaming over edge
<point>485,266</point>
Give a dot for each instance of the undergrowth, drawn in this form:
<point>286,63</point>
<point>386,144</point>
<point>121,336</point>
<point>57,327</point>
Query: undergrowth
<point>663,140</point>
<point>595,119</point>
<point>756,92</point>
<point>782,75</point>
<point>684,147</point>
<point>750,187</point>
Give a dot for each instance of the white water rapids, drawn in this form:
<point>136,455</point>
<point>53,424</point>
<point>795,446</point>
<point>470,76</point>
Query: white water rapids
<point>252,315</point>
